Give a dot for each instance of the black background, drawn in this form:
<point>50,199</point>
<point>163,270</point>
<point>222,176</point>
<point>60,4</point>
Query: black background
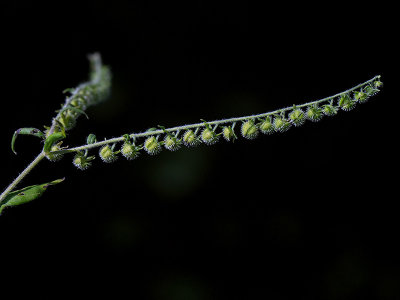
<point>309,214</point>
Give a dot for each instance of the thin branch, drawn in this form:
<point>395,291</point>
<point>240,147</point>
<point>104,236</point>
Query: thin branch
<point>22,175</point>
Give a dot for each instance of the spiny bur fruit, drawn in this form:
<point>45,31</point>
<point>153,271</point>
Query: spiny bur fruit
<point>54,157</point>
<point>81,161</point>
<point>314,113</point>
<point>360,96</point>
<point>129,151</point>
<point>107,154</point>
<point>249,130</point>
<point>190,139</point>
<point>208,136</point>
<point>346,103</point>
<point>297,117</point>
<point>329,110</point>
<point>152,146</point>
<point>281,125</point>
<point>172,143</point>
<point>266,126</point>
<point>228,133</point>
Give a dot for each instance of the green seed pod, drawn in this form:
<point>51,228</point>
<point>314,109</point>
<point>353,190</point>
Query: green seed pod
<point>107,154</point>
<point>81,161</point>
<point>208,136</point>
<point>346,103</point>
<point>281,125</point>
<point>54,157</point>
<point>172,143</point>
<point>228,133</point>
<point>297,117</point>
<point>190,139</point>
<point>129,151</point>
<point>266,126</point>
<point>249,130</point>
<point>360,96</point>
<point>152,146</point>
<point>329,110</point>
<point>314,113</point>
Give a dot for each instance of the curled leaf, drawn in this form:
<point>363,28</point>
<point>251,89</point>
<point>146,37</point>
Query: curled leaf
<point>52,139</point>
<point>28,131</point>
<point>26,194</point>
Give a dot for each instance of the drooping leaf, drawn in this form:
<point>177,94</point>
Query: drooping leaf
<point>28,131</point>
<point>26,194</point>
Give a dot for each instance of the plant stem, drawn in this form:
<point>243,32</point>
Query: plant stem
<point>22,175</point>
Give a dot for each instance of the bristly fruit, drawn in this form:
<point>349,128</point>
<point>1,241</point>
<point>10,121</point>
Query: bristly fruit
<point>152,146</point>
<point>55,157</point>
<point>107,154</point>
<point>314,113</point>
<point>208,136</point>
<point>360,96</point>
<point>190,139</point>
<point>228,133</point>
<point>81,161</point>
<point>329,110</point>
<point>266,126</point>
<point>346,103</point>
<point>249,130</point>
<point>172,143</point>
<point>129,151</point>
<point>281,125</point>
<point>297,117</point>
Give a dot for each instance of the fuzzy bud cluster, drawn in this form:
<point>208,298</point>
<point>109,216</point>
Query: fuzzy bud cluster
<point>90,93</point>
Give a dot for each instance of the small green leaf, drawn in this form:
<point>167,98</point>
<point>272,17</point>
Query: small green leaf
<point>26,194</point>
<point>28,131</point>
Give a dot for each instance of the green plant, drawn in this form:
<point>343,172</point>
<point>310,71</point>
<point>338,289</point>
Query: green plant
<point>153,140</point>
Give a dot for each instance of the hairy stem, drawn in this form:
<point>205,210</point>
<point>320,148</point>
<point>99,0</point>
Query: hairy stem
<point>22,175</point>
